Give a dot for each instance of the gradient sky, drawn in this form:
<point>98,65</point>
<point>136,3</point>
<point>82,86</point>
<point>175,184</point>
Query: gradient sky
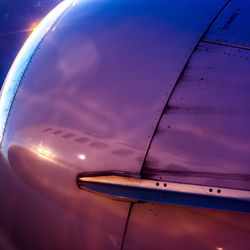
<point>17,18</point>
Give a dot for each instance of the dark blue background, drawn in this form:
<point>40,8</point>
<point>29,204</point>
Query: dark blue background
<point>17,17</point>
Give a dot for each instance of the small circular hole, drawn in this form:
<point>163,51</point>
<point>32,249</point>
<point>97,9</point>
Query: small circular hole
<point>157,184</point>
<point>210,190</point>
<point>165,184</point>
<point>218,191</point>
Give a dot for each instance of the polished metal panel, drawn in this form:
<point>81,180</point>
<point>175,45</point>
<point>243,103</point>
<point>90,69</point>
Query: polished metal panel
<point>204,135</point>
<point>106,69</point>
<point>42,207</point>
<point>166,192</point>
<point>89,100</point>
<point>153,226</point>
<point>232,26</point>
<point>23,59</point>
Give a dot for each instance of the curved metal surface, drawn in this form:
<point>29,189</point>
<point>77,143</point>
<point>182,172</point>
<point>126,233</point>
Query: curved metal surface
<point>41,181</point>
<point>153,226</point>
<point>46,210</point>
<point>111,75</point>
<point>90,100</point>
<point>22,61</point>
<point>203,137</point>
<point>166,192</point>
<point>232,26</point>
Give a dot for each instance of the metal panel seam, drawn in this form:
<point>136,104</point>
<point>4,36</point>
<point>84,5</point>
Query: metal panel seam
<point>179,77</point>
<point>165,105</point>
<point>226,45</point>
<point>126,225</point>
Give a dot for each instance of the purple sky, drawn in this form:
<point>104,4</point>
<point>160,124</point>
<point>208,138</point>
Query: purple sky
<point>16,20</point>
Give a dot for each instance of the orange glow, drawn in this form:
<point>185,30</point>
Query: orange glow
<point>33,26</point>
<point>44,153</point>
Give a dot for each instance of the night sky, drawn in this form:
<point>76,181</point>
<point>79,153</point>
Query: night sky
<point>17,18</point>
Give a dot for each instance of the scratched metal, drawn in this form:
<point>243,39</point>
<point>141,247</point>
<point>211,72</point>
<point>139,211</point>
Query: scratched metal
<point>232,26</point>
<point>204,135</point>
<point>153,226</point>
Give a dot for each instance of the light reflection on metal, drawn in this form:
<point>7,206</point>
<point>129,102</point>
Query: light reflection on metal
<point>45,153</point>
<point>200,141</point>
<point>197,229</point>
<point>22,60</point>
<point>167,186</point>
<point>82,157</point>
<point>166,193</point>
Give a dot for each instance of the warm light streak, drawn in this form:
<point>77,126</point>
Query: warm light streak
<point>22,60</point>
<point>33,26</point>
<point>44,153</point>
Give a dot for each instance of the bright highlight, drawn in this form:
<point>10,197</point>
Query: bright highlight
<point>22,60</point>
<point>82,157</point>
